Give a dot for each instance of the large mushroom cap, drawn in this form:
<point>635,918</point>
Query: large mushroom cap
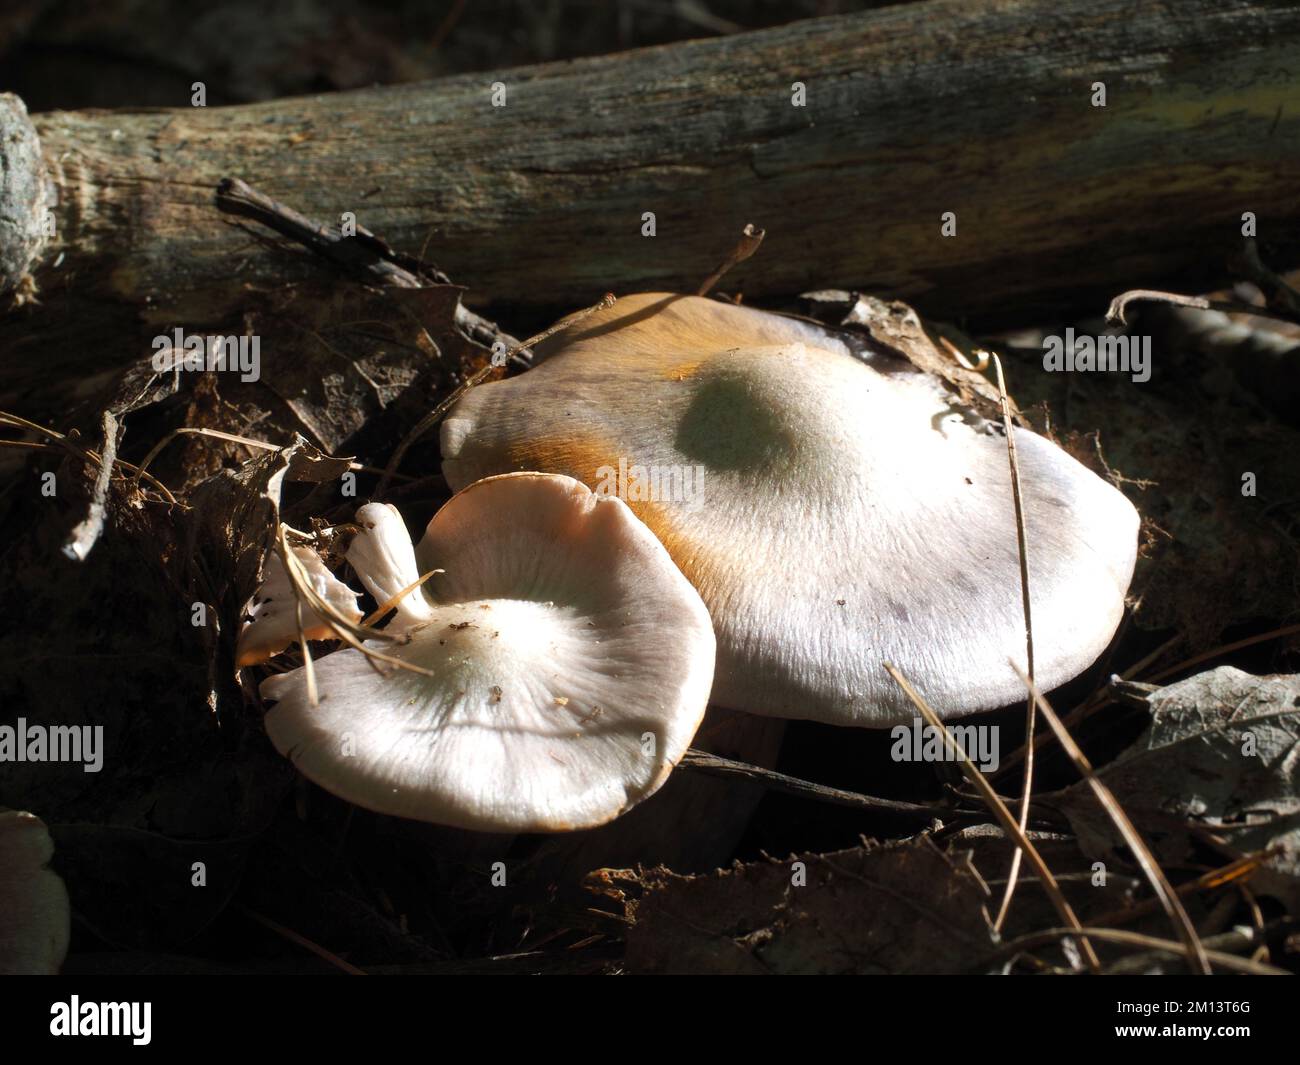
<point>35,918</point>
<point>843,512</point>
<point>571,664</point>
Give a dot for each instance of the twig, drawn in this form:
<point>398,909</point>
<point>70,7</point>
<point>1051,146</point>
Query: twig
<point>713,765</point>
<point>1235,872</point>
<point>430,420</point>
<point>302,941</point>
<point>1115,313</point>
<point>1003,814</point>
<point>364,255</point>
<point>477,377</point>
<point>1135,939</point>
<point>750,238</point>
<point>1169,900</point>
<point>84,454</point>
<point>1223,649</point>
<point>86,532</point>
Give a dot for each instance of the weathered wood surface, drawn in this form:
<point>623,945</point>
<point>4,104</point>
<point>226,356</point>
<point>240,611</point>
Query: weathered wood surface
<point>982,108</point>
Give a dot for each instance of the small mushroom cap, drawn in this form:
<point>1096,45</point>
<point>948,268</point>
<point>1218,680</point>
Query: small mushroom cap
<point>844,512</point>
<point>35,918</point>
<point>273,612</point>
<point>571,666</point>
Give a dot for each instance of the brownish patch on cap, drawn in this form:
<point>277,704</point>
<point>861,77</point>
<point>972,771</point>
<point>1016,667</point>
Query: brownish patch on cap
<point>704,565</point>
<point>581,456</point>
<point>683,371</point>
<point>664,329</point>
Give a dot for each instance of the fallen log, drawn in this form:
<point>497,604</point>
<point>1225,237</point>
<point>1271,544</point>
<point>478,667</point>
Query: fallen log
<point>982,109</point>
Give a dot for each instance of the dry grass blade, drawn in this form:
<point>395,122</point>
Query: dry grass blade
<point>82,453</point>
<point>980,364</point>
<point>1235,873</point>
<point>1096,701</point>
<point>1102,698</point>
<point>349,632</point>
<point>1169,899</point>
<point>309,667</point>
<point>232,438</point>
<point>1223,649</point>
<point>1003,814</point>
<point>476,378</point>
<point>1022,547</point>
<point>29,445</point>
<point>428,422</point>
<point>392,602</point>
<point>1231,962</point>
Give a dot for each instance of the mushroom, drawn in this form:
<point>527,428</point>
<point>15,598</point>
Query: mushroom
<point>384,559</point>
<point>35,918</point>
<point>846,512</point>
<point>273,613</point>
<point>564,664</point>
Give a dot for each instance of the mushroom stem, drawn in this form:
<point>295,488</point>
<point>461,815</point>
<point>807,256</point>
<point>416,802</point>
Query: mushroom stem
<point>384,559</point>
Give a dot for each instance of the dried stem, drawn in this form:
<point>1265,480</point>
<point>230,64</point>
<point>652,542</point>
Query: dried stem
<point>1169,899</point>
<point>429,420</point>
<point>750,238</point>
<point>1003,814</point>
<point>713,765</point>
<point>1022,546</point>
